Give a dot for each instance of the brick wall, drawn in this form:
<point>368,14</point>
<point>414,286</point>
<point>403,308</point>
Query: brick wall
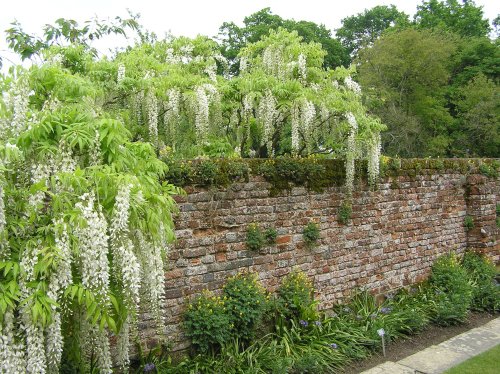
<point>393,238</point>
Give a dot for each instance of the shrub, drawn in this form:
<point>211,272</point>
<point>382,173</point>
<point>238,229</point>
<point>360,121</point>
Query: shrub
<point>246,302</point>
<point>295,298</point>
<point>255,239</point>
<point>207,172</point>
<point>207,322</point>
<point>468,223</point>
<point>481,273</point>
<point>345,212</point>
<point>270,235</point>
<point>451,291</point>
<point>311,234</point>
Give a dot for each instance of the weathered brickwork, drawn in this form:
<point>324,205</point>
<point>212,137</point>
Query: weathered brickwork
<point>393,238</point>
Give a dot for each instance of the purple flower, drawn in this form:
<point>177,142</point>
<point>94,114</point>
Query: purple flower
<point>148,368</point>
<point>385,310</point>
<point>303,323</point>
<point>333,346</point>
<point>347,310</point>
<point>317,323</point>
<point>359,318</point>
<point>373,316</point>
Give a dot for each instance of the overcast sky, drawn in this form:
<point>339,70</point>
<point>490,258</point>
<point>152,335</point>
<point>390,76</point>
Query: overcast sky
<point>192,17</point>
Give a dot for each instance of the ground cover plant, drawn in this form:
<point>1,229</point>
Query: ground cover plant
<point>301,339</point>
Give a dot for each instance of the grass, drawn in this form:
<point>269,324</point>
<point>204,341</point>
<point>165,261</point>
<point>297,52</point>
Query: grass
<point>485,363</point>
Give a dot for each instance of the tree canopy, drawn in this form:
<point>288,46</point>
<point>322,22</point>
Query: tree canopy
<point>233,38</point>
<point>363,29</point>
<point>463,18</point>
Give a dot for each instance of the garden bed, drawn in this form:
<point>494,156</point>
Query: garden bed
<point>405,347</point>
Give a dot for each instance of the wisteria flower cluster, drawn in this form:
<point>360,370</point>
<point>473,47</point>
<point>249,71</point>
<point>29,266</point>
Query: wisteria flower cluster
<point>86,260</point>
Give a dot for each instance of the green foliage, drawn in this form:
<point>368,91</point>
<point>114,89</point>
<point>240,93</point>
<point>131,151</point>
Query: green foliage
<point>464,18</point>
<point>255,240</point>
<point>246,303</point>
<point>219,148</point>
<point>311,234</point>
<point>206,172</point>
<point>481,272</point>
<point>406,73</point>
<point>451,291</point>
<point>62,148</point>
<point>295,298</point>
<point>233,38</point>
<point>478,115</point>
<point>362,29</point>
<point>156,360</point>
<point>207,322</point>
<point>345,212</point>
<point>399,315</point>
<point>468,223</point>
<point>489,170</point>
<point>271,235</point>
<point>309,349</point>
<point>68,31</point>
<point>305,341</point>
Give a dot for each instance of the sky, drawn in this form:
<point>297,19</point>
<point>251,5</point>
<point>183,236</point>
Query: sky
<point>192,17</point>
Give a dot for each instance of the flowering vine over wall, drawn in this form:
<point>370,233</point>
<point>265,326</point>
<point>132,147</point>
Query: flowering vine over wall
<point>84,225</point>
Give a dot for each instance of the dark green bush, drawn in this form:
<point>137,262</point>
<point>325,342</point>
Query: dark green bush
<point>295,297</point>
<point>311,234</point>
<point>207,322</point>
<point>206,172</point>
<point>481,272</point>
<point>246,302</point>
<point>255,239</point>
<point>468,223</point>
<point>450,290</point>
<point>345,212</point>
<point>270,235</point>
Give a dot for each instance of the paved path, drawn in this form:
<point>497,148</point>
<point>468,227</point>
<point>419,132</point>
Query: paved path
<point>441,357</point>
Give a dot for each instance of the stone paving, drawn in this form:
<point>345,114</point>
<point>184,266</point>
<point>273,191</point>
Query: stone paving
<point>439,358</point>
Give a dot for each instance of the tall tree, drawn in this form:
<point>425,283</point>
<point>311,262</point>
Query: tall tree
<point>407,72</point>
<point>364,28</point>
<point>463,18</point>
<point>233,38</point>
<point>477,108</point>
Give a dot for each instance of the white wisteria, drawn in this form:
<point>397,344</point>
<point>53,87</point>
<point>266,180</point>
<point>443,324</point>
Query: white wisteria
<point>302,66</point>
<point>295,114</point>
<point>12,353</point>
<point>374,149</point>
<point>93,240</point>
<point>351,152</point>
<point>268,114</point>
<point>352,85</point>
<point>121,73</point>
<point>202,114</point>
<point>20,97</point>
<point>152,115</point>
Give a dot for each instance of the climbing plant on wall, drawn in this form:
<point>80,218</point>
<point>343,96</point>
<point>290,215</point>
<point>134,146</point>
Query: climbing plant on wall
<point>84,215</point>
<point>84,223</point>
